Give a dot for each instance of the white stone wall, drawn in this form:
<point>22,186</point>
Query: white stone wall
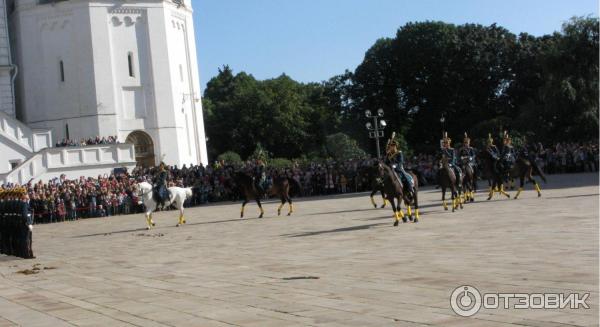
<point>98,96</point>
<point>71,161</point>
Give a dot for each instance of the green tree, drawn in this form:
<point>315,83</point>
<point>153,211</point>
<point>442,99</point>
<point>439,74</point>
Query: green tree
<point>230,157</point>
<point>341,147</point>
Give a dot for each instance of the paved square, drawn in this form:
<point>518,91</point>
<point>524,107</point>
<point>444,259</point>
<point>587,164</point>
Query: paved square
<point>335,262</point>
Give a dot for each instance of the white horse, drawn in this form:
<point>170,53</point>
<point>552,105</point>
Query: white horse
<point>177,196</point>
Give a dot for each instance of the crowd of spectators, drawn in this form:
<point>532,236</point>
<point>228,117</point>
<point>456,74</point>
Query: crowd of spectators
<point>89,141</point>
<point>62,199</point>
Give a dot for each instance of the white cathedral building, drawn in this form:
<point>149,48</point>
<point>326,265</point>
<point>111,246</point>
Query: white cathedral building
<point>79,69</point>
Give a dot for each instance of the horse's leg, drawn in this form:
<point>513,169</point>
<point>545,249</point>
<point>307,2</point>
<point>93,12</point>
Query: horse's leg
<point>396,216</point>
<point>416,204</point>
<point>289,200</point>
<point>262,212</point>
<point>453,195</point>
<point>502,191</point>
<point>521,183</point>
<point>373,200</point>
<point>181,217</point>
<point>444,198</point>
<point>281,205</point>
<point>536,185</point>
<point>243,206</point>
<point>385,201</point>
<point>399,207</point>
<point>148,217</point>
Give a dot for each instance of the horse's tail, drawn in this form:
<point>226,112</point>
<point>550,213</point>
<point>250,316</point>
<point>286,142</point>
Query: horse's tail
<point>188,192</point>
<point>537,170</point>
<point>295,188</point>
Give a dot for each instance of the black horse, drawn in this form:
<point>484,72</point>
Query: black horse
<point>447,179</point>
<point>469,181</point>
<point>394,193</point>
<point>375,183</point>
<point>282,187</point>
<point>494,174</point>
<point>525,169</point>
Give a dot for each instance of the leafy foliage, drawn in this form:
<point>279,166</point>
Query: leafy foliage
<point>341,147</point>
<point>230,157</point>
<point>482,79</point>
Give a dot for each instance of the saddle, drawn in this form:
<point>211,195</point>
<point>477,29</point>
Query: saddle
<point>161,194</point>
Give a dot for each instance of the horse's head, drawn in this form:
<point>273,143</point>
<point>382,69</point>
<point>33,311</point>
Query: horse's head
<point>443,161</point>
<point>141,189</point>
<point>382,169</point>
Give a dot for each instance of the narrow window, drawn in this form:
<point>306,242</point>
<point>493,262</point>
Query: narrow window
<point>62,71</point>
<point>130,63</point>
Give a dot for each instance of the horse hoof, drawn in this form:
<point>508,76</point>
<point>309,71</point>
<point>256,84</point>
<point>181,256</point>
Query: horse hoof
<point>404,219</point>
<point>539,195</point>
<point>289,214</point>
<point>489,198</point>
<point>416,220</point>
<point>177,225</point>
<point>153,224</point>
<point>446,209</point>
<point>260,216</point>
<point>411,218</point>
<point>472,200</point>
<point>395,223</point>
<point>382,206</point>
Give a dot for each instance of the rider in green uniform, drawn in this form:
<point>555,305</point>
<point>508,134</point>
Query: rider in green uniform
<point>160,186</point>
<point>395,159</point>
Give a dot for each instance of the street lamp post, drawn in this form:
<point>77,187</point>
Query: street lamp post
<point>376,128</point>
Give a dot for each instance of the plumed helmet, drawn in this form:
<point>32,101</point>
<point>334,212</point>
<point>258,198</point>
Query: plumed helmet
<point>392,140</point>
<point>446,139</point>
<point>506,137</point>
<point>466,138</point>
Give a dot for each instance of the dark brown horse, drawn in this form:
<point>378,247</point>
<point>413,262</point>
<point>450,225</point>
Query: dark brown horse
<point>468,183</point>
<point>490,172</point>
<point>525,169</point>
<point>394,193</point>
<point>448,180</point>
<point>375,183</point>
<point>282,187</point>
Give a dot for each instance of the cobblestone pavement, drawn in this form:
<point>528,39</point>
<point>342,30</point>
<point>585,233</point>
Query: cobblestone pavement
<point>335,262</point>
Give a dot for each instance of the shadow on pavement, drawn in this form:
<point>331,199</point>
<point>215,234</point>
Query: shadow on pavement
<point>337,230</point>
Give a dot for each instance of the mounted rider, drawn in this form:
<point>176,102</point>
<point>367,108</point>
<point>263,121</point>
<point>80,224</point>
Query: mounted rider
<point>450,153</point>
<point>260,176</point>
<point>494,153</point>
<point>395,159</point>
<point>508,155</point>
<point>160,186</point>
<point>467,152</point>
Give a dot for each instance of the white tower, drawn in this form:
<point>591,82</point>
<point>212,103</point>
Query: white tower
<point>125,68</point>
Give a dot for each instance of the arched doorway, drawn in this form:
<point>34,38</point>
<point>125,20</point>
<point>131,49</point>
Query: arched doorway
<point>144,148</point>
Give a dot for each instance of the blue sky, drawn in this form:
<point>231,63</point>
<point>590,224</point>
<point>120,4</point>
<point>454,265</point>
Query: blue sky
<point>312,40</point>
